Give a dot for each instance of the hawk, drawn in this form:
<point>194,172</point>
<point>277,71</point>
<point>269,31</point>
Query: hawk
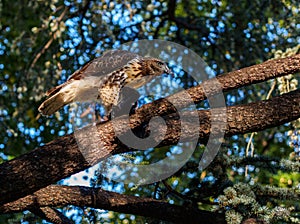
<point>102,79</point>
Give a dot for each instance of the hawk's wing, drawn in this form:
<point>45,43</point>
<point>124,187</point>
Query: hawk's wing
<point>109,62</point>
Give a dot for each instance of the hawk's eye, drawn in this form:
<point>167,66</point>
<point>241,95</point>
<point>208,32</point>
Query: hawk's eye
<point>160,63</point>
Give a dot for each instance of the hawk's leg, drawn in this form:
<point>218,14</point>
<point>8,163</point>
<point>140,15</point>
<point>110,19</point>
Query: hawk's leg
<point>133,108</point>
<point>107,116</point>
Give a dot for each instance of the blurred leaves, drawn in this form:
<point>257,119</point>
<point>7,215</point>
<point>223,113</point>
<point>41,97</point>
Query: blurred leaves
<point>43,42</point>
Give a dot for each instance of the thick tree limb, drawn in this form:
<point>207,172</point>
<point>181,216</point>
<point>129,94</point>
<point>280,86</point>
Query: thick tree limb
<point>62,157</point>
<point>97,198</point>
<point>226,82</point>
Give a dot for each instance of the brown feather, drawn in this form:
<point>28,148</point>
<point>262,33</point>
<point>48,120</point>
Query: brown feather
<point>79,73</point>
<point>52,104</point>
<point>75,76</point>
<point>55,89</point>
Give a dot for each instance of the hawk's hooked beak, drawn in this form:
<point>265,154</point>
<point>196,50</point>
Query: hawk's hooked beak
<point>168,71</point>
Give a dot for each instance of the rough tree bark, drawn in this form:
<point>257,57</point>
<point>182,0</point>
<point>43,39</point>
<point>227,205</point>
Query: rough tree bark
<point>62,157</point>
<point>99,198</point>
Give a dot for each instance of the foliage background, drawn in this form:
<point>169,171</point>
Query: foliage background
<point>43,42</point>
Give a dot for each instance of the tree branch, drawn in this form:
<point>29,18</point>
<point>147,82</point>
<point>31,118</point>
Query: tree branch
<point>182,22</point>
<point>265,162</point>
<point>47,45</point>
<point>50,214</point>
<point>62,157</point>
<point>243,77</point>
<point>97,198</point>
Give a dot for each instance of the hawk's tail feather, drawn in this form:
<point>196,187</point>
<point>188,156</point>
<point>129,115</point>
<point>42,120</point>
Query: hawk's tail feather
<point>55,89</point>
<point>53,104</point>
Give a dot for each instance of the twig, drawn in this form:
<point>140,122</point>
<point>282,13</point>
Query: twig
<point>250,144</point>
<point>48,44</point>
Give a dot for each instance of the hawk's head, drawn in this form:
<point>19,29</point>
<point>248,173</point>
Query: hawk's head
<point>143,69</point>
<point>156,67</point>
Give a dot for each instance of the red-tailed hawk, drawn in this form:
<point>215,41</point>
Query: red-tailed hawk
<point>103,78</point>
